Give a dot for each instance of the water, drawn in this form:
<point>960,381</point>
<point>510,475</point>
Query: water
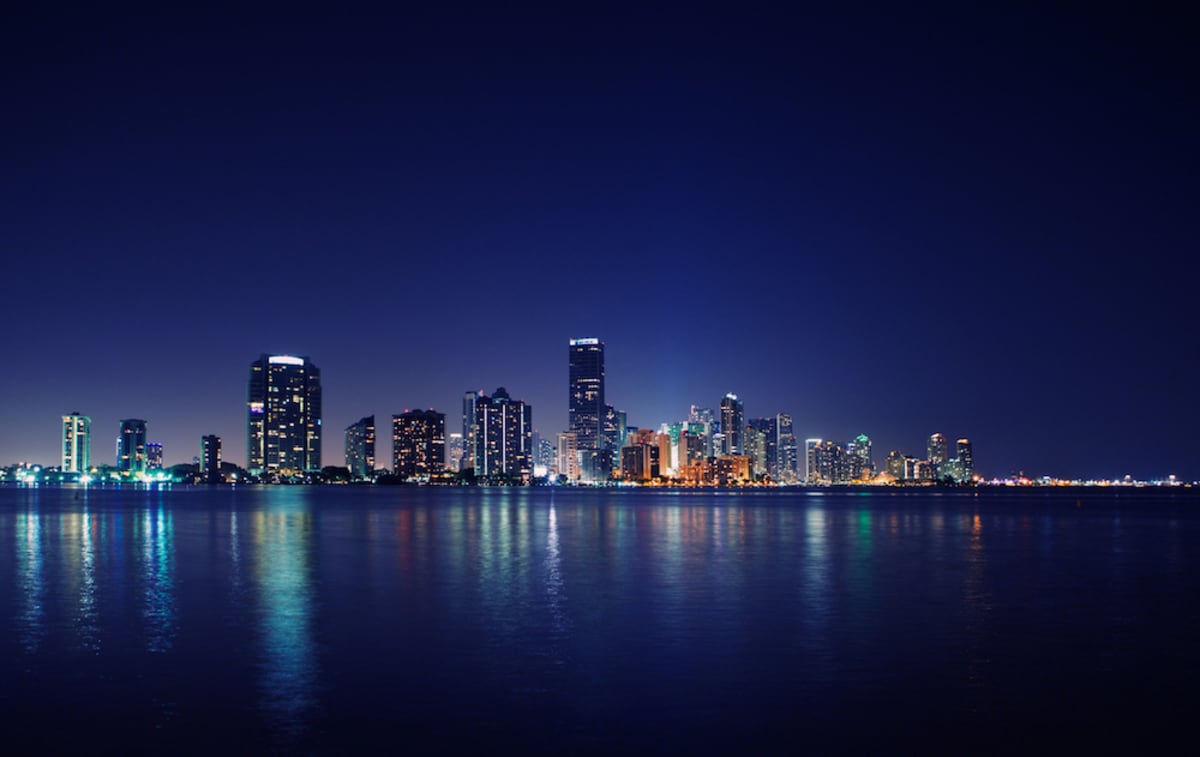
<point>418,619</point>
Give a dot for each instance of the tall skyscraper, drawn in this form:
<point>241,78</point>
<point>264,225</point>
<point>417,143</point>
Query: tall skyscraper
<point>754,446</point>
<point>770,443</point>
<point>76,443</point>
<point>468,430</point>
<point>860,453</point>
<point>503,439</point>
<point>154,456</point>
<point>131,447</point>
<point>966,459</point>
<point>454,451</point>
<point>938,452</point>
<point>360,448</point>
<point>732,424</point>
<point>585,390</point>
<point>418,444</point>
<point>284,403</point>
<point>785,449</point>
<point>210,459</point>
<point>700,419</point>
<point>812,473</point>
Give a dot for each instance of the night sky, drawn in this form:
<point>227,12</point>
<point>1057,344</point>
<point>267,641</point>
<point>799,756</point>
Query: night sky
<point>978,222</point>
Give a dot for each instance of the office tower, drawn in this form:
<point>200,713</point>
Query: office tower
<point>210,459</point>
<point>284,403</point>
<point>937,450</point>
<point>966,459</point>
<point>613,428</point>
<point>894,465</point>
<point>785,449</point>
<point>860,453</point>
<point>154,456</point>
<point>76,443</point>
<point>470,399</point>
<point>360,448</point>
<point>754,442</point>
<point>131,447</point>
<point>812,471</point>
<point>454,451</point>
<point>568,457</point>
<point>767,464</point>
<point>503,439</point>
<point>418,444</point>
<point>732,424</point>
<point>585,392</point>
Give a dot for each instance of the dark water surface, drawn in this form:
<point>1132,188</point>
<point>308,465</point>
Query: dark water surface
<point>419,619</point>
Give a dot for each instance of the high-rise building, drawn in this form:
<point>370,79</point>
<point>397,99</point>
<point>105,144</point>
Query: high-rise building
<point>360,448</point>
<point>154,456</point>
<point>585,392</point>
<point>454,451</point>
<point>732,424</point>
<point>966,459</point>
<point>284,404</point>
<point>503,439</point>
<point>76,443</point>
<point>613,428</point>
<point>755,444</point>
<point>938,452</point>
<point>470,398</point>
<point>812,473</point>
<point>895,464</point>
<point>785,449</point>
<point>701,419</point>
<point>418,444</point>
<point>131,447</point>
<point>210,459</point>
<point>863,467</point>
<point>770,443</point>
<point>568,456</point>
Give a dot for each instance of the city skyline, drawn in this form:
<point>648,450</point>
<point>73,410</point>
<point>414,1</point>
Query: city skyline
<point>895,223</point>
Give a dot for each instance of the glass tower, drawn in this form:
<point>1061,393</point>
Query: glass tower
<point>585,408</point>
<point>76,443</point>
<point>284,414</point>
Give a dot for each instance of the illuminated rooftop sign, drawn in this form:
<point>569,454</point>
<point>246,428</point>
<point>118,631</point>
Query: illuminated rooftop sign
<point>285,360</point>
<point>584,342</point>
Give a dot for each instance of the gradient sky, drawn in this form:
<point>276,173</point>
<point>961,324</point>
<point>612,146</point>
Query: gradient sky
<point>979,222</point>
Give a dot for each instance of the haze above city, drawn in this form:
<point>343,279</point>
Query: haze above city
<point>898,223</point>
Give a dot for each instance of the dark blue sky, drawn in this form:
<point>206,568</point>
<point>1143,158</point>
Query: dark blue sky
<point>979,222</point>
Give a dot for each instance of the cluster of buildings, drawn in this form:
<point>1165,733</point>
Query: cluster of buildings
<point>497,443</point>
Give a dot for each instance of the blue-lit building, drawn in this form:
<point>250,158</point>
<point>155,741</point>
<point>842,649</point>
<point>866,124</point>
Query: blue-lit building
<point>284,416</point>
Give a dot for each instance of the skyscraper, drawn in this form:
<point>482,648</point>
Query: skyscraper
<point>210,459</point>
<point>937,450</point>
<point>131,447</point>
<point>860,452</point>
<point>768,465</point>
<point>503,439</point>
<point>785,449</point>
<point>568,457</point>
<point>732,424</point>
<point>76,443</point>
<point>418,444</point>
<point>284,404</point>
<point>585,392</point>
<point>454,451</point>
<point>360,448</point>
<point>966,459</point>
<point>470,398</point>
<point>812,473</point>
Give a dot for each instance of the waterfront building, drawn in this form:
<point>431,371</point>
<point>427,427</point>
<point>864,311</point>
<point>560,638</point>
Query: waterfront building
<point>859,453</point>
<point>732,424</point>
<point>568,456</point>
<point>640,461</point>
<point>418,444</point>
<point>454,451</point>
<point>785,449</point>
<point>470,399</point>
<point>812,472</point>
<point>76,443</point>
<point>732,470</point>
<point>966,459</point>
<point>154,456</point>
<point>503,439</point>
<point>284,415</point>
<point>756,445</point>
<point>937,452</point>
<point>895,465</point>
<point>701,419</point>
<point>360,448</point>
<point>210,459</point>
<point>131,447</point>
<point>585,392</point>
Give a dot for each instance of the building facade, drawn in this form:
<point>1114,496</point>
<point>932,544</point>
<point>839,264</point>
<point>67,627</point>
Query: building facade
<point>131,447</point>
<point>76,443</point>
<point>503,439</point>
<point>210,459</point>
<point>585,392</point>
<point>732,424</point>
<point>284,416</point>
<point>418,444</point>
<point>360,448</point>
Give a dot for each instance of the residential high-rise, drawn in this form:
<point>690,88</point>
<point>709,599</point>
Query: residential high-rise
<point>418,444</point>
<point>700,419</point>
<point>568,457</point>
<point>860,457</point>
<point>154,456</point>
<point>732,424</point>
<point>938,452</point>
<point>785,449</point>
<point>360,448</point>
<point>454,451</point>
<point>76,443</point>
<point>470,399</point>
<point>812,473</point>
<point>210,459</point>
<point>585,392</point>
<point>131,447</point>
<point>284,404</point>
<point>755,445</point>
<point>503,439</point>
<point>966,459</point>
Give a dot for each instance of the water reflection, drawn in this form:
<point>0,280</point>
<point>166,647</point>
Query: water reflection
<point>556,593</point>
<point>283,537</point>
<point>158,577</point>
<point>30,616</point>
<point>87,621</point>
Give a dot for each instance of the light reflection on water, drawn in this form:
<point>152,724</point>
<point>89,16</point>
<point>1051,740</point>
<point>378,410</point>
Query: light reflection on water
<point>700,607</point>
